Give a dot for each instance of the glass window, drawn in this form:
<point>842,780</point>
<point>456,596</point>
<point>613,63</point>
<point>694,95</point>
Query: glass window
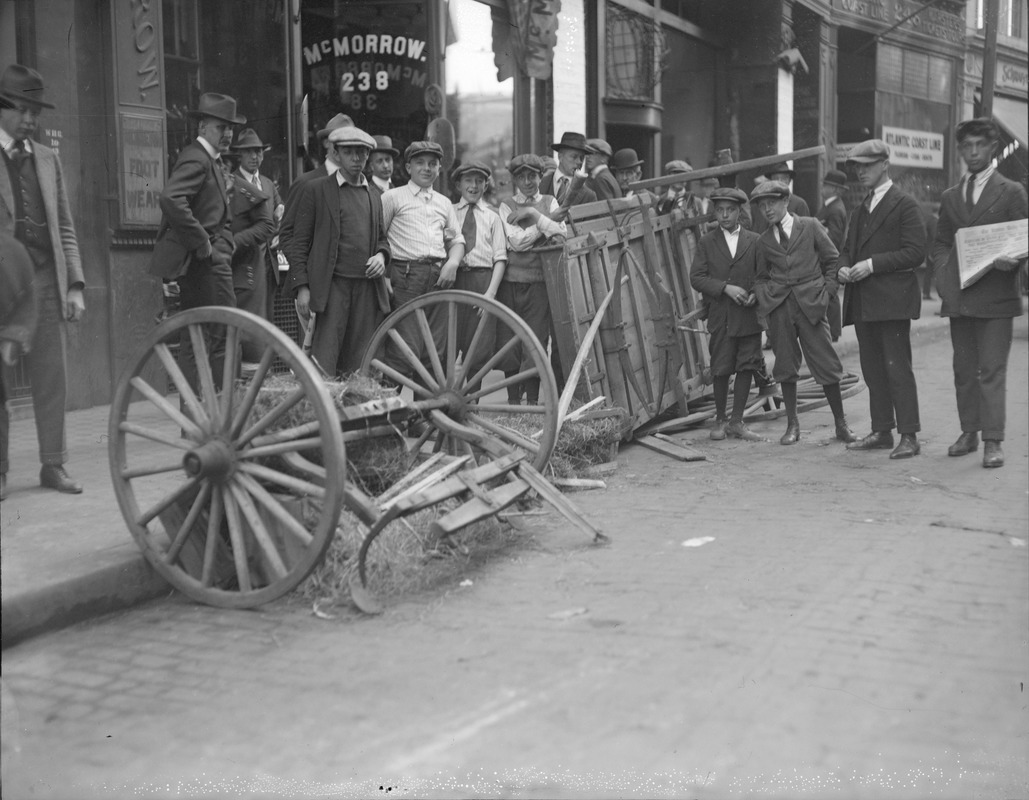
<point>889,69</point>
<point>940,81</point>
<point>916,74</point>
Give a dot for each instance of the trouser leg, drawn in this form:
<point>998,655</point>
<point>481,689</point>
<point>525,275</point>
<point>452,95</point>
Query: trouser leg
<point>994,340</point>
<point>45,365</point>
<point>966,372</point>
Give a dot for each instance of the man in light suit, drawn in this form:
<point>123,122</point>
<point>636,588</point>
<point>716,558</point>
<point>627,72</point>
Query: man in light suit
<point>571,152</point>
<point>194,241</point>
<point>980,313</point>
<point>34,209</point>
<point>885,243</point>
<point>340,253</point>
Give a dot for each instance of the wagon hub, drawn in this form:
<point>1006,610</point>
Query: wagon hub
<point>213,460</point>
<point>456,405</point>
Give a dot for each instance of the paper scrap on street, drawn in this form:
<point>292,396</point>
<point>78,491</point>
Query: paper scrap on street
<point>567,614</point>
<point>465,582</point>
<point>979,245</point>
<point>698,542</point>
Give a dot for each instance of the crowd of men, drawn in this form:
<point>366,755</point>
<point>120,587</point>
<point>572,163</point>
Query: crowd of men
<point>358,244</point>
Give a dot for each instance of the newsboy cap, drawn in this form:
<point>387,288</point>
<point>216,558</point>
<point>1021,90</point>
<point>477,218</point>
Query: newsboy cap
<point>730,193</point>
<point>338,121</point>
<point>219,106</point>
<point>836,178</point>
<point>777,190</point>
<point>351,137</point>
<point>678,165</point>
<point>471,168</point>
<point>423,148</point>
<point>21,84</point>
<point>600,147</point>
<point>526,161</point>
<point>980,126</point>
<point>869,151</point>
<point>782,168</point>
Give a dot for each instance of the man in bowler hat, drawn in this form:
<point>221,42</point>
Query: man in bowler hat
<point>380,164</point>
<point>34,209</point>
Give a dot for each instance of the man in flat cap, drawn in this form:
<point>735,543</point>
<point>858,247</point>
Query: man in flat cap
<point>980,311</point>
<point>885,243</point>
<point>601,181</point>
<point>340,254</point>
<point>194,242</point>
<point>724,273</point>
<point>35,211</point>
<point>797,205</point>
<point>571,152</point>
<point>796,276</point>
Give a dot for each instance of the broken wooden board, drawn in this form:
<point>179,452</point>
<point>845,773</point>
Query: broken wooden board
<point>665,445</point>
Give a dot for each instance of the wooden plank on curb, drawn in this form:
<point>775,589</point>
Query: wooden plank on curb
<point>669,447</point>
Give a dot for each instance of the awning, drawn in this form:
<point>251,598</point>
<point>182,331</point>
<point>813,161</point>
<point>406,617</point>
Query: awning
<point>1011,116</point>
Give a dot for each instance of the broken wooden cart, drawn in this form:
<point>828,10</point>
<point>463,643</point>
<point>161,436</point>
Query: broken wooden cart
<point>234,491</point>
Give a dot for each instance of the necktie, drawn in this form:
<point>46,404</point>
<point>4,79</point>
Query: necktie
<point>970,191</point>
<point>468,230</point>
<point>256,180</point>
<point>868,201</point>
<point>784,240</point>
<point>562,189</point>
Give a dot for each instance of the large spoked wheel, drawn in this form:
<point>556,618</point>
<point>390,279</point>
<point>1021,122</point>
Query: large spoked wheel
<point>465,349</point>
<point>230,498</point>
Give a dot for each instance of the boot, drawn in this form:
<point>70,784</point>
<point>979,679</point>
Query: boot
<point>792,435</point>
<point>843,431</point>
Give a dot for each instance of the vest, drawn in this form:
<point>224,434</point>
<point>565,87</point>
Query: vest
<point>30,227</point>
<point>527,266</point>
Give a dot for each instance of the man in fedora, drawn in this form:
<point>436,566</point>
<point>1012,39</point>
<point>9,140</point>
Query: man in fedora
<point>34,209</point>
<point>601,181</point>
<point>253,258</point>
<point>885,244</point>
<point>796,205</point>
<point>194,241</point>
<point>571,152</point>
<point>980,312</point>
<point>380,163</point>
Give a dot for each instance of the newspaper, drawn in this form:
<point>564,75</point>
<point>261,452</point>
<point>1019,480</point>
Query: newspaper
<point>979,245</point>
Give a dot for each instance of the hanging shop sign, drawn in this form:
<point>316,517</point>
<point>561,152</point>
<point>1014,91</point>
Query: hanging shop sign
<point>912,16</point>
<point>911,148</point>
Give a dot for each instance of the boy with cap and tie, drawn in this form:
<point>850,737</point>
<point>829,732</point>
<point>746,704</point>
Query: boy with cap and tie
<point>524,290</point>
<point>795,278</point>
<point>796,205</point>
<point>724,273</point>
<point>981,312</point>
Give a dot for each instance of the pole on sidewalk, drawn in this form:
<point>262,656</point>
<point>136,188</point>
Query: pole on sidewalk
<point>991,14</point>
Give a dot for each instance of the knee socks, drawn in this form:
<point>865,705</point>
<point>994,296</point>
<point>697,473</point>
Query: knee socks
<point>721,388</point>
<point>740,393</point>
<point>835,398</point>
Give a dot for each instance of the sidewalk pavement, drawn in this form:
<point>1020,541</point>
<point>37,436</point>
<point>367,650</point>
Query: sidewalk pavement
<point>66,558</point>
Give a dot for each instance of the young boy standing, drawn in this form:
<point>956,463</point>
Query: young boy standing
<point>523,288</point>
<point>724,273</point>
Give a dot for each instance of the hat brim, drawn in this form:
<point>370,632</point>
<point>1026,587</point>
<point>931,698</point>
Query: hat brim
<point>771,195</point>
<point>585,149</point>
<point>865,159</point>
<point>426,151</point>
<point>21,98</point>
<point>198,114</point>
<point>391,150</point>
<point>629,166</point>
<point>240,148</point>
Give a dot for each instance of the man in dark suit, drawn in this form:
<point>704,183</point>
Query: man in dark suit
<point>571,151</point>
<point>380,164</point>
<point>601,181</point>
<point>981,312</point>
<point>885,244</point>
<point>35,211</point>
<point>194,241</point>
<point>340,254</point>
<point>833,216</point>
<point>796,205</point>
<point>796,275</point>
<point>724,273</point>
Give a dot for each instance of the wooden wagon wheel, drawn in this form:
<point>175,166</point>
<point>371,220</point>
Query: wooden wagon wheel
<point>455,364</point>
<point>216,486</point>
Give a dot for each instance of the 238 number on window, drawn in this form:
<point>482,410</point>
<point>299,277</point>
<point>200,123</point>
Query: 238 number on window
<point>362,81</point>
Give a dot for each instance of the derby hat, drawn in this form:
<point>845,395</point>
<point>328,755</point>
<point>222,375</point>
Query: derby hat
<point>418,148</point>
<point>980,126</point>
<point>219,106</point>
<point>20,84</point>
<point>338,121</point>
<point>350,136</point>
<point>249,140</point>
<point>600,147</point>
<point>677,166</point>
<point>836,178</point>
<point>471,168</point>
<point>384,144</point>
<point>782,168</point>
<point>730,193</point>
<point>777,190</point>
<point>526,161</point>
<point>625,158</point>
<point>572,141</point>
<point>869,151</point>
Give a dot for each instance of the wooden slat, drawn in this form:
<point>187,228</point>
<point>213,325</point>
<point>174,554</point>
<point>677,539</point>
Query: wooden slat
<point>479,508</point>
<point>455,485</point>
<point>669,447</point>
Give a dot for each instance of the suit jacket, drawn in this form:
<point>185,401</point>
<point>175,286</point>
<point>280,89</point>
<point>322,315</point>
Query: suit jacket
<point>604,185</point>
<point>252,228</point>
<point>316,238</point>
<point>289,216</point>
<point>796,205</point>
<point>834,218</point>
<point>269,188</point>
<point>65,244</point>
<point>806,268</point>
<point>195,206</point>
<point>893,236</point>
<point>714,267</point>
<point>585,194</point>
<point>995,294</point>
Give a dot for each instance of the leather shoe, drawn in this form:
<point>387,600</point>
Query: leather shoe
<point>718,432</point>
<point>843,431</point>
<point>968,442</point>
<point>792,435</point>
<point>737,430</point>
<point>54,476</point>
<point>993,456</point>
<point>907,448</point>
<point>876,440</point>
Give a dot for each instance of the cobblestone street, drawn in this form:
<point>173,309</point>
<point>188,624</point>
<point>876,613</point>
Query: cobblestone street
<point>857,628</point>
